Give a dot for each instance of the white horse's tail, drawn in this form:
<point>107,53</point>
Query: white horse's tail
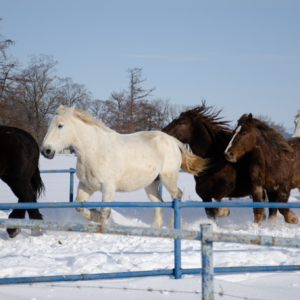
<point>191,163</point>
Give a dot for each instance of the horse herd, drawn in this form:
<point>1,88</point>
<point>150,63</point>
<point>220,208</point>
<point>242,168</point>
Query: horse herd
<point>252,160</point>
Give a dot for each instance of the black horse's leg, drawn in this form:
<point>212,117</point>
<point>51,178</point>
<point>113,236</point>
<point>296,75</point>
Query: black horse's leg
<point>23,191</point>
<point>15,214</point>
<point>210,212</point>
<point>34,214</point>
<point>272,211</point>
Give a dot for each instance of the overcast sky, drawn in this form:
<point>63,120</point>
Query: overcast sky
<point>243,56</point>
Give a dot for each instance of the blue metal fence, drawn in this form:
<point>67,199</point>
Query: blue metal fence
<point>71,171</point>
<point>206,236</point>
<point>176,205</point>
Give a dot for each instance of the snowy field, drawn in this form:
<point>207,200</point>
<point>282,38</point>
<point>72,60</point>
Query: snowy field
<point>62,253</point>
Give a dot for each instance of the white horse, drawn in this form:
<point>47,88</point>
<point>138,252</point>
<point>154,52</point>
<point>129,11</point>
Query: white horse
<point>111,162</point>
<point>297,125</point>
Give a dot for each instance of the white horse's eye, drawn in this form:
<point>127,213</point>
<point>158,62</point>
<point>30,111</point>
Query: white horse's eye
<point>60,126</point>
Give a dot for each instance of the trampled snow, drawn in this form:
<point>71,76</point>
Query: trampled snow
<point>64,253</point>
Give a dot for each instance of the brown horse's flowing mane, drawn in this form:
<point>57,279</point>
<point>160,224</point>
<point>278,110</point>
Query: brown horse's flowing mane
<point>209,117</point>
<point>273,138</point>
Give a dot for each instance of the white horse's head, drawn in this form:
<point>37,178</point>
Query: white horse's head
<point>60,132</point>
<point>297,125</point>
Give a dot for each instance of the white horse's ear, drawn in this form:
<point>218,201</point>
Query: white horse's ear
<point>59,109</point>
<point>69,111</point>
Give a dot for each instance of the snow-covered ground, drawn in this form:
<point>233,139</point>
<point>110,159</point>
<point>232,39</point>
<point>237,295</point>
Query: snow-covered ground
<point>62,253</point>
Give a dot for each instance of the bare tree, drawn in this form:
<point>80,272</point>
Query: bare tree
<point>136,95</point>
<point>125,111</point>
<point>154,114</point>
<point>71,93</point>
<point>266,119</point>
<point>131,110</point>
<point>118,106</point>
<point>9,76</point>
<point>38,93</point>
<point>173,111</point>
<point>102,110</point>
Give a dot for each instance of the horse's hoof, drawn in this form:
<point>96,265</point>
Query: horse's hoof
<point>272,219</point>
<point>222,212</point>
<point>258,219</point>
<point>13,232</point>
<point>291,218</point>
<point>37,232</point>
<point>95,215</point>
<point>257,224</point>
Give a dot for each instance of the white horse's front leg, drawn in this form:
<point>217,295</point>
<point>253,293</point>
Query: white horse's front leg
<point>108,193</point>
<point>83,194</point>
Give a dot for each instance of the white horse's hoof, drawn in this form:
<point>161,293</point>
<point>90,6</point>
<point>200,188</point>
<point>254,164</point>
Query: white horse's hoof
<point>95,215</point>
<point>37,232</point>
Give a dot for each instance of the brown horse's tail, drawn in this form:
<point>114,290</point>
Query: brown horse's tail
<point>191,163</point>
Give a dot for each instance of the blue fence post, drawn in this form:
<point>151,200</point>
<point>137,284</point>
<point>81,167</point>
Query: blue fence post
<point>72,171</point>
<point>160,189</point>
<point>177,242</point>
<point>207,264</point>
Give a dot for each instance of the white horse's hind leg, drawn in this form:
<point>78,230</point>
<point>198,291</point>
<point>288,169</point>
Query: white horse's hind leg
<point>83,194</point>
<point>154,196</point>
<point>170,183</point>
<point>171,221</point>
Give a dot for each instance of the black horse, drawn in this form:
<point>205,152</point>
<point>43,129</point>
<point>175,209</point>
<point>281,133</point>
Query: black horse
<point>19,158</point>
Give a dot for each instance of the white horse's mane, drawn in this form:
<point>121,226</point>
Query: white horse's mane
<point>298,114</point>
<point>84,117</point>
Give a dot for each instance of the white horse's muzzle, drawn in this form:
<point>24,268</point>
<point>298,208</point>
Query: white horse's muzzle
<point>48,152</point>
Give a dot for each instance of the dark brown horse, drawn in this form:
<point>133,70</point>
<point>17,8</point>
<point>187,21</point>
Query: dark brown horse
<point>274,164</point>
<point>208,136</point>
<point>19,158</point>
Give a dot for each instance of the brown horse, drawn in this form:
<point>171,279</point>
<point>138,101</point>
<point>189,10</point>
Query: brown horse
<point>208,136</point>
<point>274,165</point>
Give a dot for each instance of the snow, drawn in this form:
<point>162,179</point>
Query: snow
<point>64,253</point>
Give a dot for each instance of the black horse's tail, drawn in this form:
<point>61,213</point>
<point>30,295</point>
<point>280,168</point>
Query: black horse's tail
<point>37,183</point>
